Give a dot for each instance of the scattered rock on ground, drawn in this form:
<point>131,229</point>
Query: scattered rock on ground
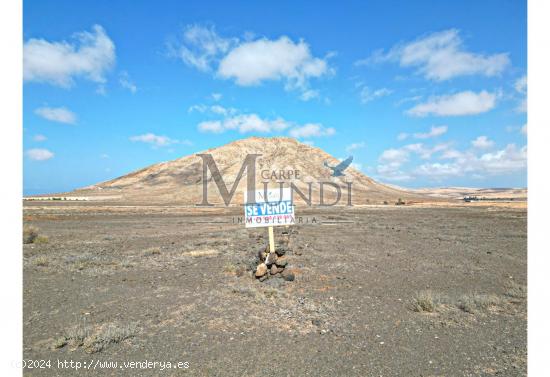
<point>271,258</point>
<point>261,270</point>
<point>280,251</point>
<point>274,270</point>
<point>288,276</point>
<point>281,262</point>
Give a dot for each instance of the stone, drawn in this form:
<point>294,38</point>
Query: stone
<point>288,276</point>
<point>261,270</point>
<point>280,251</point>
<point>274,270</point>
<point>281,262</point>
<point>263,277</point>
<point>261,255</point>
<point>271,258</point>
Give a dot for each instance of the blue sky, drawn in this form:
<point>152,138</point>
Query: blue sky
<point>422,94</point>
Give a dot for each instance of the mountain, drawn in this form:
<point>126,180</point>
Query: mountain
<point>458,193</point>
<point>180,181</point>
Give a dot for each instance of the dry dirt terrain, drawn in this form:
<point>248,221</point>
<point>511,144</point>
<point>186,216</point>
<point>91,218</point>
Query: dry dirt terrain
<point>378,291</point>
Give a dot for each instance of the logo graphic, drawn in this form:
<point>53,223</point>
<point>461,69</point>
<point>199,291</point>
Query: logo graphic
<point>338,170</point>
<point>280,176</point>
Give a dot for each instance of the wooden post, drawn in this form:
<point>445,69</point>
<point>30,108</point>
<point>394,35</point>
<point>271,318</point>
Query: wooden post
<point>271,240</point>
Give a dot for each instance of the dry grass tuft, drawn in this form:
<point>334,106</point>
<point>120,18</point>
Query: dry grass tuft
<point>202,253</point>
<point>82,261</point>
<point>233,269</point>
<point>516,290</point>
<point>75,335</point>
<point>41,261</point>
<point>425,301</point>
<point>111,333</point>
<point>30,233</point>
<point>93,341</point>
<point>474,302</point>
<point>41,239</point>
<point>59,343</point>
<point>152,251</point>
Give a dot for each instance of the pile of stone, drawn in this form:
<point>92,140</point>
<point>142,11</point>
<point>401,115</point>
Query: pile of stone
<point>273,264</point>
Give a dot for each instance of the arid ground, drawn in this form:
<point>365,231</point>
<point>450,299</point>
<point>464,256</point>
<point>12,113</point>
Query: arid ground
<point>379,291</point>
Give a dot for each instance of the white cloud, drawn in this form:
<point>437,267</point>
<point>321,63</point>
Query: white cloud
<point>214,126</point>
<point>366,95</point>
<point>251,63</point>
<point>101,90</point>
<point>521,87</point>
<point>463,103</point>
<point>394,155</point>
<point>505,161</point>
<point>39,154</point>
<point>354,146</point>
<point>392,160</point>
<point>220,110</point>
<point>408,99</point>
<point>200,47</point>
<point>57,114</point>
<point>39,138</point>
<point>158,141</point>
<point>441,56</point>
<point>522,106</point>
<point>434,132</point>
<point>233,120</point>
<point>244,123</point>
<point>524,129</point>
<point>451,154</point>
<point>217,96</point>
<point>402,136</point>
<point>197,108</point>
<point>309,94</point>
<point>311,130</point>
<point>58,63</point>
<point>125,81</point>
<point>104,156</point>
<point>392,172</point>
<point>357,166</point>
<point>482,142</point>
<point>426,152</point>
<point>214,109</point>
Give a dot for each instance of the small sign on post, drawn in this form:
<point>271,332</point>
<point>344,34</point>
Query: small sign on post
<point>275,209</point>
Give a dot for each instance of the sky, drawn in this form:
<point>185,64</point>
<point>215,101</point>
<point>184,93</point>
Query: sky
<point>421,94</point>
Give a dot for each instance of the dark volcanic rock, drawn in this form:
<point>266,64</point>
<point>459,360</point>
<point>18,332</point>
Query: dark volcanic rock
<point>288,276</point>
<point>271,258</point>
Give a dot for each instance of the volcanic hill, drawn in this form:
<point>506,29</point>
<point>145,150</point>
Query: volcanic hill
<point>180,181</point>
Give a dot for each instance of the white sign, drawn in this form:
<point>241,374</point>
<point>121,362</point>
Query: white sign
<point>271,211</point>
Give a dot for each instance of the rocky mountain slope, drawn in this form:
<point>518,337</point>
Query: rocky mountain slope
<point>180,181</point>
